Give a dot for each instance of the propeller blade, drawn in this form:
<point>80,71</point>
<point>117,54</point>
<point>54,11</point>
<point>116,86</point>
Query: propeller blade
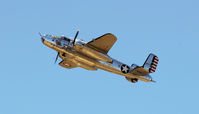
<point>75,37</point>
<point>57,57</point>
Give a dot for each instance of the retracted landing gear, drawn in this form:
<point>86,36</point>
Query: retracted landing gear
<point>134,80</point>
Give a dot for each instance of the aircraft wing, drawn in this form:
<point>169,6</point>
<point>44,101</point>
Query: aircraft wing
<point>103,43</point>
<point>67,64</point>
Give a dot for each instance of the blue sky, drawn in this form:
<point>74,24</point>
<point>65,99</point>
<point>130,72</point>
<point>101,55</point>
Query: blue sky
<point>31,84</point>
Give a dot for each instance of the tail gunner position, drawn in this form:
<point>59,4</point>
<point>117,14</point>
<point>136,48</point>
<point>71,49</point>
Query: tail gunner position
<point>93,55</point>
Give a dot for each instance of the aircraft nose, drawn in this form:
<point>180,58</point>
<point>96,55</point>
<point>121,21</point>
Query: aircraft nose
<point>48,38</point>
<point>42,39</point>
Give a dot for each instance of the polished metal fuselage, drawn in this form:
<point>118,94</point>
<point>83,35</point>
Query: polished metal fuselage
<point>86,57</point>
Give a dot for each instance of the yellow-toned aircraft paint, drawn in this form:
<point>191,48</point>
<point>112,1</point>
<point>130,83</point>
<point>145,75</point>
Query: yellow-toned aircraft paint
<point>93,55</point>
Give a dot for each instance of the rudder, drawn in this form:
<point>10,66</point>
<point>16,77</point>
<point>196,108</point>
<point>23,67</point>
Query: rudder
<point>151,63</point>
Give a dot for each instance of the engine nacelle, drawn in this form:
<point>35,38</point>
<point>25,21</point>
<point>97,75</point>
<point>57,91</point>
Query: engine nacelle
<point>91,53</point>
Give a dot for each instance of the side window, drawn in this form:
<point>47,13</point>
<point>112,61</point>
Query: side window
<point>58,42</point>
<point>64,43</point>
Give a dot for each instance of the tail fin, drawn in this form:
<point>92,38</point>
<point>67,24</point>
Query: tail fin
<point>151,63</point>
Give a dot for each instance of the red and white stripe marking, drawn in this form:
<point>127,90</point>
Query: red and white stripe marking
<point>154,64</point>
<point>154,68</point>
<point>151,70</point>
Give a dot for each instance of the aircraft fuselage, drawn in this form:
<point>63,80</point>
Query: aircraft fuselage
<point>88,58</point>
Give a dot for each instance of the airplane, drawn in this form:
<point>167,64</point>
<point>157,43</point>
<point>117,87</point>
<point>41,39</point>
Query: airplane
<point>93,56</point>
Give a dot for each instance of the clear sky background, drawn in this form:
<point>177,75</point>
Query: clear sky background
<point>30,82</point>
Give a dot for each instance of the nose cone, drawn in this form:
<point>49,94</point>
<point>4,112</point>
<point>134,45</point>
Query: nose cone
<point>48,38</point>
<point>42,39</point>
<point>52,42</point>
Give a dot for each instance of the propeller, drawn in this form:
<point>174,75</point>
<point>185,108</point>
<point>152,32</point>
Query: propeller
<point>57,57</point>
<point>75,37</point>
<point>72,43</point>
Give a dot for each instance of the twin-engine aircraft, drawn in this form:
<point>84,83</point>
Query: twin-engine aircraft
<point>93,55</point>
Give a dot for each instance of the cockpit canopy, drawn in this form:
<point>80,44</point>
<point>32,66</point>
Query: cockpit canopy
<point>61,41</point>
<point>65,38</point>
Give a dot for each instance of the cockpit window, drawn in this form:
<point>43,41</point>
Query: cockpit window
<point>65,38</point>
<point>58,42</point>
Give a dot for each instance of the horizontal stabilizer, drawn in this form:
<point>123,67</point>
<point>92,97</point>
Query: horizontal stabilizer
<point>149,66</point>
<point>140,71</point>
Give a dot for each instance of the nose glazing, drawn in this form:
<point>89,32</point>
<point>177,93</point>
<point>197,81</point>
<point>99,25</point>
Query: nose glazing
<point>48,38</point>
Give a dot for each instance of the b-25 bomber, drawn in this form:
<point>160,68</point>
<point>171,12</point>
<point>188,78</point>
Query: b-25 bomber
<point>93,55</point>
